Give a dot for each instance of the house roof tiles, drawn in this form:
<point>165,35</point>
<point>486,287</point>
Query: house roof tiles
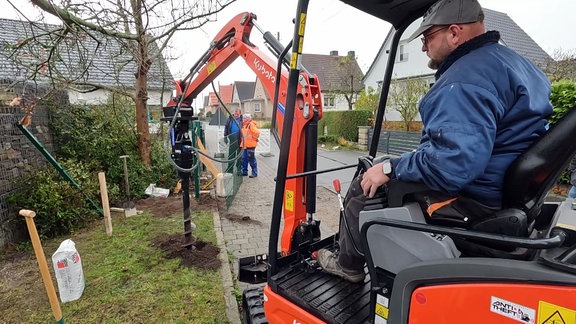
<point>514,37</point>
<point>226,93</point>
<point>333,72</point>
<point>245,90</point>
<point>88,59</point>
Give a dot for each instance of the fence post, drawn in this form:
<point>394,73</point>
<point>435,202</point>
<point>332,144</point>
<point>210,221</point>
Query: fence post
<point>363,137</point>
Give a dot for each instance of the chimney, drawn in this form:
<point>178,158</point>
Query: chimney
<point>352,54</point>
<point>333,53</point>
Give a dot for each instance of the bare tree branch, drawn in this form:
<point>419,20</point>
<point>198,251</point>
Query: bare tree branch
<point>70,19</point>
<point>101,40</point>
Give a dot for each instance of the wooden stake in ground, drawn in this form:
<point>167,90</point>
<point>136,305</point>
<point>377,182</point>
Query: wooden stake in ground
<point>105,204</point>
<point>42,264</point>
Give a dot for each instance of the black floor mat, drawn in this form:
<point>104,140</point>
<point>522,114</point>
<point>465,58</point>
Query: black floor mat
<point>328,297</point>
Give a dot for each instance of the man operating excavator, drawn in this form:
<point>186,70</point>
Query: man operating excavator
<point>487,106</point>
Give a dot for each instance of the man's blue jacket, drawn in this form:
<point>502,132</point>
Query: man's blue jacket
<point>487,106</point>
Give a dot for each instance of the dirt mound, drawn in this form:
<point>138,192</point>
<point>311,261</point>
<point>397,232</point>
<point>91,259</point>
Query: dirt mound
<point>202,255</point>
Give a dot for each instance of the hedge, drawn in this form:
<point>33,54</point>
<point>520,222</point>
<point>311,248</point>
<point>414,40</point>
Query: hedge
<point>344,123</point>
<point>563,99</point>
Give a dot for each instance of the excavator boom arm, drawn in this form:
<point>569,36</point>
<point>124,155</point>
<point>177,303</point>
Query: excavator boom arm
<point>231,42</point>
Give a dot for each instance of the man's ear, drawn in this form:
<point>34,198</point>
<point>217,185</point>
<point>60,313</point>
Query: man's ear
<point>456,34</point>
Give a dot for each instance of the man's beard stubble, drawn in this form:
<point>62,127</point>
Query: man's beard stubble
<point>434,64</point>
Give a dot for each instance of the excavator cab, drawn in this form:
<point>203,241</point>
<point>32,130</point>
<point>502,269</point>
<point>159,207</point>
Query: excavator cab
<point>517,266</point>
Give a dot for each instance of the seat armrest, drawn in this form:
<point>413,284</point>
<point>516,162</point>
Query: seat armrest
<point>399,190</point>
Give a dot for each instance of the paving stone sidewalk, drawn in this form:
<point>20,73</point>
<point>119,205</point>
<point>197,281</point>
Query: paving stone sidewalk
<point>250,236</point>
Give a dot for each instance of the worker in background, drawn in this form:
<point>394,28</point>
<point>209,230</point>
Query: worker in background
<point>231,137</point>
<point>250,134</point>
<point>487,106</point>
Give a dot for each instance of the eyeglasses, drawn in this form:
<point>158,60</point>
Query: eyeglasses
<point>426,38</point>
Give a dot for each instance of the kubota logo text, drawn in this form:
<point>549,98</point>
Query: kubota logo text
<point>261,68</point>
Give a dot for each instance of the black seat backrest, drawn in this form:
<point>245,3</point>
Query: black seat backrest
<point>534,172</point>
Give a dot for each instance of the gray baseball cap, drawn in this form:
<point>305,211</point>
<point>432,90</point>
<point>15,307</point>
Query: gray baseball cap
<point>447,12</point>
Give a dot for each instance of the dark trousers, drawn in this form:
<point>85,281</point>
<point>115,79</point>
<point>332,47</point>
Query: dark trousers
<point>249,157</point>
<point>355,202</point>
<point>349,238</point>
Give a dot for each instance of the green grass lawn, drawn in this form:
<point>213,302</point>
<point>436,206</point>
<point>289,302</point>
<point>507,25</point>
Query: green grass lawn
<point>129,278</point>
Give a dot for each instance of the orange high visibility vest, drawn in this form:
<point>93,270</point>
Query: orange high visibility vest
<point>250,134</point>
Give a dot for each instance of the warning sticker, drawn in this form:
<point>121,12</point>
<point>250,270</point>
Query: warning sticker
<point>289,200</point>
<point>554,314</point>
<point>381,310</point>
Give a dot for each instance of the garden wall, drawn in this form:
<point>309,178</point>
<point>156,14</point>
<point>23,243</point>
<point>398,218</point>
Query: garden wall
<point>18,157</point>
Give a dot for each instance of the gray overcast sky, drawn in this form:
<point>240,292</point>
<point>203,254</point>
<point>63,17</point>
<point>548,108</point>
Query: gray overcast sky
<point>333,25</point>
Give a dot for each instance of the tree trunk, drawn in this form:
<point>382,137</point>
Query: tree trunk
<point>141,101</point>
<point>142,121</point>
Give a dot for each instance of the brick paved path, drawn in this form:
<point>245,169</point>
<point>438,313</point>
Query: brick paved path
<point>255,199</point>
<point>249,237</point>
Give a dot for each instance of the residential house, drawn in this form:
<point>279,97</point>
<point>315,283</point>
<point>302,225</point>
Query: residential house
<point>243,98</point>
<point>212,103</point>
<point>260,105</point>
<point>225,93</point>
<point>80,59</point>
<point>340,78</point>
<point>86,60</point>
<point>412,62</point>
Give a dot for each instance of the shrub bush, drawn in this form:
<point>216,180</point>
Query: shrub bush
<point>563,99</point>
<point>100,135</point>
<point>265,124</point>
<point>60,207</point>
<point>344,123</point>
<point>90,140</point>
<point>323,139</point>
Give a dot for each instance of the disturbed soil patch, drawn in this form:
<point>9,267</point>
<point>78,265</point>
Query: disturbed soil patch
<point>166,207</point>
<point>240,218</point>
<point>203,255</point>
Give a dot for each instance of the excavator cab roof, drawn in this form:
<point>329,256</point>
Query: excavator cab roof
<point>396,12</point>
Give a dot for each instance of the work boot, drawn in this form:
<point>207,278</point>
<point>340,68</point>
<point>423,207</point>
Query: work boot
<point>328,260</point>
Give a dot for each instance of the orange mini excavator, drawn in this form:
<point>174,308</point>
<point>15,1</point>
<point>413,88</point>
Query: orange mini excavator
<point>415,273</point>
<point>298,132</point>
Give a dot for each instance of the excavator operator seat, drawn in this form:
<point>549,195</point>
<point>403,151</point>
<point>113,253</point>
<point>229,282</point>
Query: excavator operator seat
<point>530,177</point>
<point>393,249</point>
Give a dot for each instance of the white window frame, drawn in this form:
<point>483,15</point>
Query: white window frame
<point>402,54</point>
<point>329,100</point>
